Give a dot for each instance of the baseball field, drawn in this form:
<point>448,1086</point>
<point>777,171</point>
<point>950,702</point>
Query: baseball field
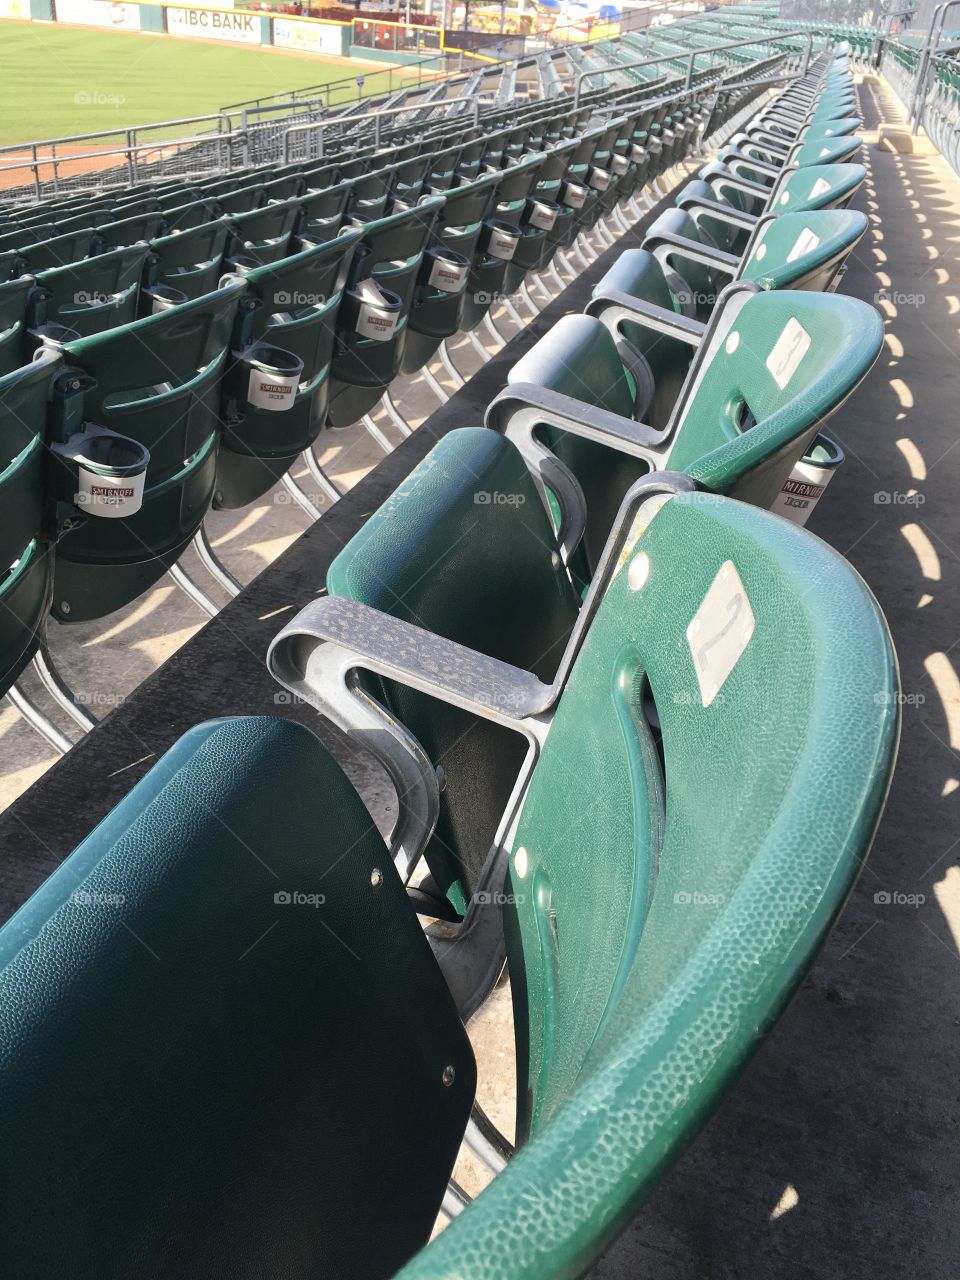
<point>57,81</point>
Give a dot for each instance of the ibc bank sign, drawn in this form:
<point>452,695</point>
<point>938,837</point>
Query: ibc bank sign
<point>214,24</point>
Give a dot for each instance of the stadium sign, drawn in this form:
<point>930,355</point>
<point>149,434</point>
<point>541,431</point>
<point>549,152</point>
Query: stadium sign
<point>214,24</point>
<point>98,13</point>
<point>311,37</point>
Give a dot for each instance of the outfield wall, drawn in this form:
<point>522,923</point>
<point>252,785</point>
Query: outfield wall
<point>219,20</point>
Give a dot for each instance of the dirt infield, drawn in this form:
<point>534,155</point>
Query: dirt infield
<point>90,160</point>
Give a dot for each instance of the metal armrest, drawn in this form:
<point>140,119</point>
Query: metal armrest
<point>722,212</point>
<point>317,657</point>
<point>612,306</point>
<point>716,259</point>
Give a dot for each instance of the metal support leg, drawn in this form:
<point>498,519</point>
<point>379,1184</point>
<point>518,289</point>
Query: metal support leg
<point>514,314</point>
<point>329,487</point>
<point>300,498</point>
<point>494,332</point>
<point>486,1141</point>
<point>60,691</point>
<point>37,720</point>
<point>383,441</point>
<point>556,274</point>
<point>525,295</point>
<point>214,565</point>
<point>478,346</point>
<point>434,385</point>
<point>446,359</point>
<point>396,417</point>
<point>195,592</point>
<point>455,1199</point>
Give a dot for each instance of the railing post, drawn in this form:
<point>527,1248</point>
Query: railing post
<point>689,80</point>
<point>131,162</point>
<point>37,185</point>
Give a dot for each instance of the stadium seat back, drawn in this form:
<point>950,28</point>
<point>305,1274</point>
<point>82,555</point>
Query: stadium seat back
<point>25,551</point>
<point>14,299</point>
<point>664,913</point>
<point>156,382</point>
<point>255,1029</point>
<point>96,293</point>
<point>464,548</point>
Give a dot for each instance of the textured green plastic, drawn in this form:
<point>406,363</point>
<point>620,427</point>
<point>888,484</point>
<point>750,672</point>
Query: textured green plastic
<point>660,931</point>
<point>158,382</point>
<point>96,293</point>
<point>464,548</point>
<point>844,337</point>
<point>223,1045</point>
<point>804,250</point>
<point>578,358</point>
<point>26,556</point>
<point>14,296</point>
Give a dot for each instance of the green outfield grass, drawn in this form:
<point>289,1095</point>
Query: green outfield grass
<point>60,80</point>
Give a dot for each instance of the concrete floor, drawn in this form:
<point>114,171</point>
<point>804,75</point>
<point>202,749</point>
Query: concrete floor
<point>836,1155</point>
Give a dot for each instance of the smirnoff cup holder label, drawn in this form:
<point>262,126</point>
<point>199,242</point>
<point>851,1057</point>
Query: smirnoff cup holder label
<point>273,377</point>
<point>105,472</point>
<point>805,485</point>
<point>502,239</point>
<point>377,311</point>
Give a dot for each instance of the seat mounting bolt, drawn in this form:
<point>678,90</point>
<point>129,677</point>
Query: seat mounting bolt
<point>376,877</point>
<point>448,1077</point>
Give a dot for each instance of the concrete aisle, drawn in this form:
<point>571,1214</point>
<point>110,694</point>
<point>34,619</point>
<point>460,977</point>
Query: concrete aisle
<point>838,1155</point>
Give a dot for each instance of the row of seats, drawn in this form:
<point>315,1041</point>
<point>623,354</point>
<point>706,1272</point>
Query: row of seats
<point>268,307</point>
<point>645,766</point>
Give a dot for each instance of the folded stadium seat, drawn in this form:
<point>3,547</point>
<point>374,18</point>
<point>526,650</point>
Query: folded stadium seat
<point>499,240</point>
<point>635,873</point>
<point>195,213</point>
<point>262,236</point>
<point>92,295</point>
<point>14,347</point>
<point>371,326</point>
<point>247,863</point>
<point>291,184</point>
<point>60,250</point>
<point>323,212</point>
<point>290,310</point>
<point>126,231</point>
<point>792,251</point>
<point>154,388</point>
<point>438,300</point>
<point>774,366</point>
<point>244,200</point>
<point>25,534</point>
<point>727,207</point>
<point>190,262</point>
<point>819,151</point>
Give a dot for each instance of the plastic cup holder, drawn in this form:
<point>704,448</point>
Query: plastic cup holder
<point>500,239</point>
<point>272,377</point>
<point>373,311</point>
<point>105,472</point>
<point>53,336</point>
<point>806,483</point>
<point>574,195</point>
<point>542,214</point>
<point>164,298</point>
<point>447,270</point>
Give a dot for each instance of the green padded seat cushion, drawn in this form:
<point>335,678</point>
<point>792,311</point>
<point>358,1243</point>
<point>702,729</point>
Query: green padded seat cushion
<point>224,1038</point>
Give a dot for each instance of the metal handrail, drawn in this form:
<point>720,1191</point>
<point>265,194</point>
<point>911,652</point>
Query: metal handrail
<point>318,126</point>
<point>689,57</point>
<point>929,44</point>
<point>112,133</point>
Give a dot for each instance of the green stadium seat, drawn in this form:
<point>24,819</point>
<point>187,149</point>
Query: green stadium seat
<point>660,916</point>
<point>373,316</point>
<point>60,250</point>
<point>25,542</point>
<point>263,235</point>
<point>94,294</point>
<point>156,383</point>
<point>774,367</point>
<point>189,261</point>
<point>14,302</point>
<point>128,230</point>
<point>291,305</point>
<point>232,971</point>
